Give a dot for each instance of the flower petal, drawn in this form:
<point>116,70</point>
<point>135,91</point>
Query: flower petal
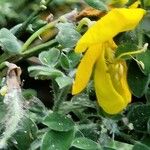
<point>108,98</point>
<point>135,4</point>
<point>85,68</point>
<point>116,21</point>
<point>125,88</point>
<point>118,74</point>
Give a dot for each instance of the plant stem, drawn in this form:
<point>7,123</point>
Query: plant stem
<point>127,138</point>
<point>36,34</point>
<point>84,21</point>
<point>60,98</point>
<point>32,51</point>
<point>30,18</point>
<point>39,48</point>
<point>142,50</point>
<point>4,57</point>
<point>2,65</point>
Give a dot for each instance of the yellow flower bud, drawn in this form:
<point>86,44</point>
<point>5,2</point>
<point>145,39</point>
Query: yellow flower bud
<point>3,90</point>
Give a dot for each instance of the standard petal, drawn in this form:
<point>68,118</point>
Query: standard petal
<point>81,47</point>
<point>116,21</point>
<point>108,98</point>
<point>85,68</point>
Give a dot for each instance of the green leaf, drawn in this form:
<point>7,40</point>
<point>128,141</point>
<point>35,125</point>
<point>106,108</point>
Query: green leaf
<point>44,72</point>
<point>58,122</point>
<point>63,81</point>
<point>53,140</point>
<point>81,100</point>
<point>77,103</point>
<point>35,145</point>
<point>146,140</point>
<point>64,61</point>
<point>139,117</point>
<point>29,93</point>
<point>26,134</point>
<point>145,24</point>
<point>67,35</point>
<point>74,59</point>
<point>148,126</point>
<point>144,58</point>
<point>138,82</point>
<point>129,37</point>
<point>140,146</point>
<point>86,144</point>
<point>15,29</point>
<point>49,58</point>
<point>146,3</point>
<point>122,145</point>
<point>37,109</point>
<point>97,4</point>
<point>108,148</point>
<point>8,41</point>
<point>147,95</point>
<point>117,145</point>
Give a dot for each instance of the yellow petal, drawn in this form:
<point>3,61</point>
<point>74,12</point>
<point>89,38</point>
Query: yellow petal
<point>85,68</point>
<point>108,98</point>
<point>116,21</point>
<point>118,74</point>
<point>135,4</point>
<point>126,92</point>
<point>3,90</point>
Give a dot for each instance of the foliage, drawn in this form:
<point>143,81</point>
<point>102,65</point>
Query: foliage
<point>42,45</point>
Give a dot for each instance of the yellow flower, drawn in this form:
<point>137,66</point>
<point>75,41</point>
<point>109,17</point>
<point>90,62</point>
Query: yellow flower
<point>109,73</point>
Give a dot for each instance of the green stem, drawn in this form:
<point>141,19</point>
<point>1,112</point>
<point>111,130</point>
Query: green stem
<point>134,52</point>
<point>84,21</point>
<point>4,57</point>
<point>36,34</point>
<point>60,98</point>
<point>30,18</point>
<point>35,50</point>
<point>2,65</point>
<point>127,138</point>
<point>38,48</point>
<point>9,57</point>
